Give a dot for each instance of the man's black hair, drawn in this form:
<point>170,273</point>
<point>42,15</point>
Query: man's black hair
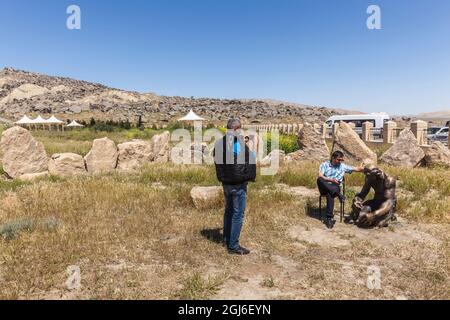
<point>337,154</point>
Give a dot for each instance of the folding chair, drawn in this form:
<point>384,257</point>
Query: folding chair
<point>342,209</point>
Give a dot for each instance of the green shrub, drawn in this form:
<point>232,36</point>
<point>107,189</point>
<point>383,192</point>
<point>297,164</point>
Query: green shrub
<point>287,143</point>
<point>198,288</point>
<point>10,231</point>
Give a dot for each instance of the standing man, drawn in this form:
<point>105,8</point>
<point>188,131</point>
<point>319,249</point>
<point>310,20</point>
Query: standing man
<point>331,175</point>
<point>235,167</point>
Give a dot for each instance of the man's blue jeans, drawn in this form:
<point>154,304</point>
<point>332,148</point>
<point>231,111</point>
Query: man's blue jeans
<point>235,202</point>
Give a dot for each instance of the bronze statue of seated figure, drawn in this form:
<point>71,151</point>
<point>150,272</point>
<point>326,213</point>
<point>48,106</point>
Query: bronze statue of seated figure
<point>379,211</point>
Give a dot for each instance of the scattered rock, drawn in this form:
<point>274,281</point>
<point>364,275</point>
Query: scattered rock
<point>66,164</point>
<point>312,146</point>
<point>207,197</point>
<point>355,150</point>
<point>102,157</point>
<point>33,176</point>
<point>275,154</point>
<point>406,151</point>
<point>161,147</point>
<point>22,154</point>
<point>437,155</point>
<point>24,92</point>
<point>75,109</point>
<point>134,154</point>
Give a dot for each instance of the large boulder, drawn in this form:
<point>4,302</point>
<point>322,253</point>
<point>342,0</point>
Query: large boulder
<point>161,147</point>
<point>102,157</point>
<point>134,154</point>
<point>312,146</point>
<point>270,158</point>
<point>66,164</point>
<point>21,153</point>
<point>355,150</point>
<point>437,155</point>
<point>406,151</point>
<point>207,197</point>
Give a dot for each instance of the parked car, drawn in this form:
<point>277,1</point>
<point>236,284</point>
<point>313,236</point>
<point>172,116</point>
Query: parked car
<point>431,131</point>
<point>377,119</point>
<point>441,135</point>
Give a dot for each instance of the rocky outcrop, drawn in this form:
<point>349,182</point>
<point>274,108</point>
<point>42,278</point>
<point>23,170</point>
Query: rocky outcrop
<point>21,153</point>
<point>406,151</point>
<point>207,197</point>
<point>437,155</point>
<point>355,150</point>
<point>312,146</point>
<point>134,154</point>
<point>102,157</point>
<point>161,147</point>
<point>275,155</point>
<point>66,164</point>
<point>24,92</point>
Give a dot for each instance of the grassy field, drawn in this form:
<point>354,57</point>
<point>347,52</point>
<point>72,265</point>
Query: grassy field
<point>80,141</point>
<point>139,236</point>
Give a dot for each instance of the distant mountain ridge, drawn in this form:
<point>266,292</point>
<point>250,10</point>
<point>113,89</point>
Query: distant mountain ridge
<point>23,92</point>
<point>443,114</point>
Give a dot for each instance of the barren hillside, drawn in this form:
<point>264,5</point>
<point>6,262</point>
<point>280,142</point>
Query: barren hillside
<point>24,92</point>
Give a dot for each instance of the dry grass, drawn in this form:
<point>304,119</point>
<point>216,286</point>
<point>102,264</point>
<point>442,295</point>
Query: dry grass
<point>80,141</point>
<point>106,221</point>
<point>139,236</point>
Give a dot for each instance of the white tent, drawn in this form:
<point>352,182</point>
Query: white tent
<point>74,124</point>
<point>24,120</point>
<point>191,116</point>
<point>38,120</point>
<point>53,120</point>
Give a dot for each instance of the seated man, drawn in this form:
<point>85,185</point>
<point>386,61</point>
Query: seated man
<point>331,175</point>
<point>379,211</point>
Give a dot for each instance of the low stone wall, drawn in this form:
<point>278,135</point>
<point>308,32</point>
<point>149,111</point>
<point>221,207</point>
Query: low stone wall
<point>390,131</point>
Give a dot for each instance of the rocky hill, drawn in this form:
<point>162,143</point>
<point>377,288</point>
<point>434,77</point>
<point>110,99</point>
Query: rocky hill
<point>29,93</point>
<point>443,114</point>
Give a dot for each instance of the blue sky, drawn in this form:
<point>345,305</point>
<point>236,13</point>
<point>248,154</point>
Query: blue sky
<point>308,51</point>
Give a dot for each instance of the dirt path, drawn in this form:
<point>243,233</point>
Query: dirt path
<point>339,263</point>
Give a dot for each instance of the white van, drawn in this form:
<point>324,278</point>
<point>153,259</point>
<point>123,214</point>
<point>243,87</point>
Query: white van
<point>377,119</point>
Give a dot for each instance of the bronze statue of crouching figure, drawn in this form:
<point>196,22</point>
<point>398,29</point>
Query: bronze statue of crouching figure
<point>379,211</point>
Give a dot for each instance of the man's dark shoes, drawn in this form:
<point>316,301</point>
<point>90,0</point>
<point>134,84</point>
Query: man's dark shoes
<point>240,251</point>
<point>329,222</point>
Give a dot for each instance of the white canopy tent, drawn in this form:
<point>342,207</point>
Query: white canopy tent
<point>53,120</point>
<point>38,120</point>
<point>197,120</point>
<point>24,120</point>
<point>74,124</point>
<point>191,116</point>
